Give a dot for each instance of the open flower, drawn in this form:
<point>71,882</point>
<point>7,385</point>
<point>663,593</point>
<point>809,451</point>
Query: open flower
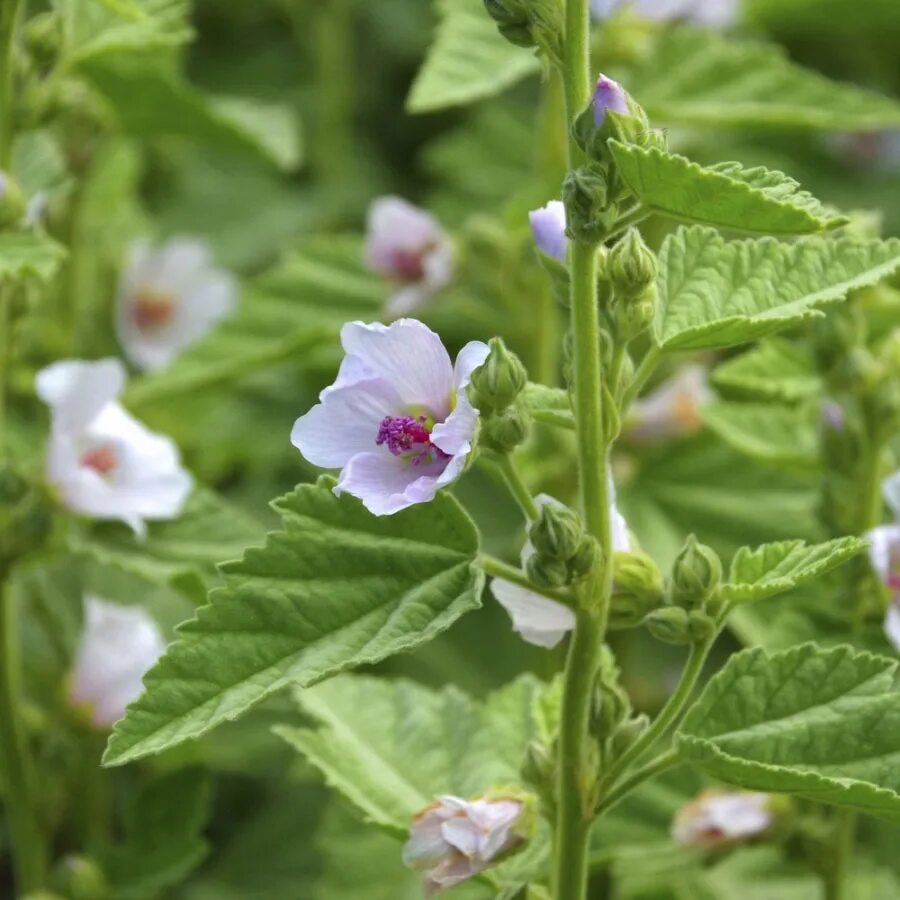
<point>884,554</point>
<point>538,619</point>
<point>397,420</point>
<point>548,225</point>
<point>454,839</point>
<point>118,645</point>
<point>102,461</point>
<point>407,246</point>
<point>717,818</point>
<point>672,410</point>
<point>169,298</point>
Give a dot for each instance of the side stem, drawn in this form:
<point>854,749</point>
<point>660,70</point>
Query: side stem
<point>9,16</point>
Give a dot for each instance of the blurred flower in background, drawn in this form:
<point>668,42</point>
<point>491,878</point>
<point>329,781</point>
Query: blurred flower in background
<point>884,554</point>
<point>118,645</point>
<point>708,13</point>
<point>717,818</point>
<point>169,298</point>
<point>672,410</point>
<point>407,246</point>
<point>102,461</point>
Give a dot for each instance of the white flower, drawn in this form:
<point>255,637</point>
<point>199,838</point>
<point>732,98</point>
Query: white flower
<point>397,420</point>
<point>538,619</point>
<point>714,818</point>
<point>169,298</point>
<point>548,225</point>
<point>118,645</point>
<point>102,461</point>
<point>707,13</point>
<point>672,410</point>
<point>407,246</point>
<point>454,839</point>
<point>884,554</point>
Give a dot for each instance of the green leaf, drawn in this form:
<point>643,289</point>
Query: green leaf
<point>170,106</point>
<point>775,369</point>
<point>24,255</point>
<point>780,566</point>
<point>768,432</point>
<point>716,293</point>
<point>468,60</point>
<point>726,195</point>
<point>335,587</point>
<point>824,724</point>
<point>702,78</point>
<point>391,746</point>
<point>550,405</point>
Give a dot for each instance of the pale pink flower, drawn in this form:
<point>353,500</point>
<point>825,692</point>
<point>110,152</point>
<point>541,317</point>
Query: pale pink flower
<point>884,554</point>
<point>548,225</point>
<point>118,645</point>
<point>672,410</point>
<point>169,298</point>
<point>101,460</point>
<point>706,13</point>
<point>454,839</point>
<point>408,247</point>
<point>397,421</point>
<point>715,818</point>
<point>609,95</point>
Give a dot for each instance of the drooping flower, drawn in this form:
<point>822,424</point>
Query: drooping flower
<point>102,461</point>
<point>609,95</point>
<point>118,645</point>
<point>884,554</point>
<point>536,618</point>
<point>672,410</point>
<point>397,421</point>
<point>548,225</point>
<point>407,246</point>
<point>717,818</point>
<point>453,839</point>
<point>706,13</point>
<point>169,298</point>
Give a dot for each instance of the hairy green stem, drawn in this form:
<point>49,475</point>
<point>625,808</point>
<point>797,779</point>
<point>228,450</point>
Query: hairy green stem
<point>642,374</point>
<point>27,843</point>
<point>632,217</point>
<point>9,17</point>
<point>840,855</point>
<point>662,763</point>
<point>517,486</point>
<point>496,568</point>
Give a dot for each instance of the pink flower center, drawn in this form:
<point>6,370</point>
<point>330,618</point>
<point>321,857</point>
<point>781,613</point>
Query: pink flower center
<point>102,460</point>
<point>152,310</point>
<point>893,581</point>
<point>409,437</point>
<point>409,265</point>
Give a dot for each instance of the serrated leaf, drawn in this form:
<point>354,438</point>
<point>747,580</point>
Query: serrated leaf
<point>546,404</point>
<point>702,78</point>
<point>335,587</point>
<point>27,255</point>
<point>780,566</point>
<point>766,431</point>
<point>726,195</point>
<point>775,369</point>
<point>716,293</point>
<point>467,61</point>
<point>824,724</point>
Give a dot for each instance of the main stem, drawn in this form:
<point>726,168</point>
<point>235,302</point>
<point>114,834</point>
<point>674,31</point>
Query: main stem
<point>575,784</point>
<point>9,16</point>
<point>28,851</point>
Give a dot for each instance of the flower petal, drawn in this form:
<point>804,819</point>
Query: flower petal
<point>884,550</point>
<point>892,624</point>
<point>77,390</point>
<point>539,620</point>
<point>548,225</point>
<point>468,360</point>
<point>392,225</point>
<point>891,490</point>
<point>387,484</point>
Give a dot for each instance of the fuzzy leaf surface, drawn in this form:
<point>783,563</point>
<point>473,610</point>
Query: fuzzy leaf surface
<point>29,255</point>
<point>775,369</point>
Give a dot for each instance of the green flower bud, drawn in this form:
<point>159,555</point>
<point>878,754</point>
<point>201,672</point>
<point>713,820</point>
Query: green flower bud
<point>589,214</point>
<point>499,380</point>
<point>612,113</point>
<point>511,17</point>
<point>503,432</point>
<point>82,878</point>
<point>637,577</point>
<point>43,38</point>
<point>557,533</point>
<point>700,625</point>
<point>12,202</point>
<point>529,23</point>
<point>670,624</point>
<point>587,557</point>
<point>547,572</point>
<point>695,575</point>
<point>631,266</point>
<point>628,732</point>
<point>633,318</point>
<point>538,769</point>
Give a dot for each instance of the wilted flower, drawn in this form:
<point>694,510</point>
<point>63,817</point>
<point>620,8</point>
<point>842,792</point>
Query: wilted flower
<point>538,619</point>
<point>884,554</point>
<point>609,95</point>
<point>102,461</point>
<point>397,420</point>
<point>672,410</point>
<point>407,246</point>
<point>169,298</point>
<point>708,13</point>
<point>548,225</point>
<point>717,818</point>
<point>118,645</point>
<point>454,839</point>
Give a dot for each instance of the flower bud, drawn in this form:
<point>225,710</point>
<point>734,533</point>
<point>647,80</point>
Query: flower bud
<point>635,317</point>
<point>548,225</point>
<point>82,878</point>
<point>43,38</point>
<point>701,626</point>
<point>637,586</point>
<point>695,575</point>
<point>586,558</point>
<point>547,572</point>
<point>512,21</point>
<point>670,625</point>
<point>12,201</point>
<point>612,113</point>
<point>504,431</point>
<point>557,533</point>
<point>589,215</point>
<point>608,95</point>
<point>631,266</point>
<point>529,23</point>
<point>628,732</point>
<point>611,704</point>
<point>499,380</point>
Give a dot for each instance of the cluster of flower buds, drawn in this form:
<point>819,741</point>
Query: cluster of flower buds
<point>613,722</point>
<point>562,551</point>
<point>717,819</point>
<point>493,390</point>
<point>631,269</point>
<point>530,23</point>
<point>689,615</point>
<point>454,839</point>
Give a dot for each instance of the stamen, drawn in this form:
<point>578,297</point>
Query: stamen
<point>101,459</point>
<point>409,265</point>
<point>409,437</point>
<point>152,309</point>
